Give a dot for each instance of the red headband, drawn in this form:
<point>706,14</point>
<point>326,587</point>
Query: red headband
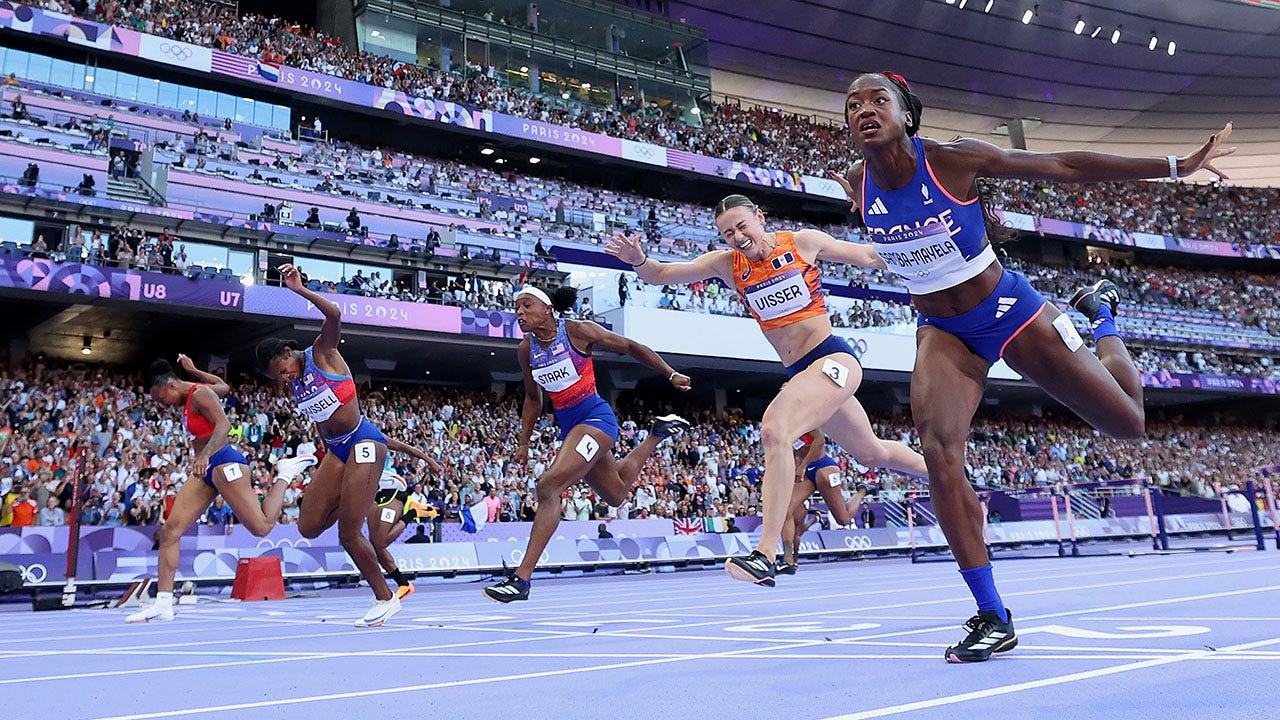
<point>899,78</point>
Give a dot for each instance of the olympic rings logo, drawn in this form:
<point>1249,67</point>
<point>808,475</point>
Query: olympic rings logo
<point>857,542</point>
<point>33,574</point>
<point>180,53</point>
<point>270,544</point>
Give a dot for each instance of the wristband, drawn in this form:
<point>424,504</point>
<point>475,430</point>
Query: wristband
<point>1173,169</point>
<point>674,373</point>
<point>645,260</point>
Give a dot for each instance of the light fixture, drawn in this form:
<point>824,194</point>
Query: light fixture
<point>586,86</point>
<point>535,160</point>
<point>376,33</point>
<point>1095,32</point>
<point>428,372</point>
<point>1029,14</point>
<point>524,68</point>
<point>951,2</point>
<point>987,9</point>
<point>1115,35</point>
<point>491,354</point>
<point>1173,47</point>
<point>962,4</point>
<point>1079,25</point>
<point>694,110</point>
<point>1154,41</point>
<point>487,151</point>
<point>87,348</point>
<point>88,78</point>
<point>499,161</point>
<point>565,94</point>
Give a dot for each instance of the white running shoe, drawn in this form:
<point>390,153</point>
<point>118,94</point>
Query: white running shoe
<point>155,612</point>
<point>381,611</point>
<point>289,468</point>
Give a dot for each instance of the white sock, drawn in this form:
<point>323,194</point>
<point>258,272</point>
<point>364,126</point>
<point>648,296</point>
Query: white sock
<point>165,598</point>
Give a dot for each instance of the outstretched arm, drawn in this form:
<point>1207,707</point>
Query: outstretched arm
<point>717,263</point>
<point>331,328</point>
<point>1083,166</point>
<point>586,334</point>
<point>396,446</point>
<point>821,246</point>
<point>215,383</point>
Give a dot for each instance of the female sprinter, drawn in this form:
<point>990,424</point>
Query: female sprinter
<point>923,213</point>
<point>777,275</point>
<point>389,516</point>
<point>556,356</point>
<point>815,469</point>
<point>343,486</point>
<point>218,469</point>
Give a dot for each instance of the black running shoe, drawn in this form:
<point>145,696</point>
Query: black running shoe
<point>1088,300</point>
<point>510,590</point>
<point>668,426</point>
<point>754,568</point>
<point>986,635</point>
<point>782,567</point>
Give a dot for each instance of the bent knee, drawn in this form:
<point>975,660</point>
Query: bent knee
<point>259,529</point>
<point>310,532</point>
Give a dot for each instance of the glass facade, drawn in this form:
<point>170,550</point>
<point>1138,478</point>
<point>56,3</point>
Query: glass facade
<point>132,88</point>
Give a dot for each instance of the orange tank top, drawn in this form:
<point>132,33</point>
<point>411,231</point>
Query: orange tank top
<point>781,289</point>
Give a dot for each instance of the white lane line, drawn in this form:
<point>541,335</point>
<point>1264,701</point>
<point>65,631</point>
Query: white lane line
<point>1043,682</point>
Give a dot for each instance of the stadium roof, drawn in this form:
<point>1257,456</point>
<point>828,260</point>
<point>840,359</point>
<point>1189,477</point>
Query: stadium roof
<point>976,70</point>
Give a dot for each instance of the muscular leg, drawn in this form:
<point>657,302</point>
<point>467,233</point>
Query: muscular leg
<point>190,502</point>
<point>794,526</point>
<point>569,467</point>
<point>359,486</point>
<point>851,428</point>
<point>809,399</point>
<point>320,501</point>
<point>1106,390</point>
<point>258,518</point>
<point>613,478</point>
<point>946,386</point>
<point>382,533</point>
<point>844,511</point>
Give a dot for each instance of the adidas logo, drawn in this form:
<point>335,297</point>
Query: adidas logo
<point>1004,305</point>
<point>877,208</point>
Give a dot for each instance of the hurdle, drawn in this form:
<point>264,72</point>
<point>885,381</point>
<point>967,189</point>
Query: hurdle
<point>1258,543</point>
<point>67,600</point>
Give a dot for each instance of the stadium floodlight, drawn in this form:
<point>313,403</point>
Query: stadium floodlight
<point>1173,47</point>
<point>87,347</point>
<point>1095,32</point>
<point>535,160</point>
<point>1079,25</point>
<point>990,3</point>
<point>1028,15</point>
<point>1154,41</point>
<point>1115,34</point>
<point>487,151</point>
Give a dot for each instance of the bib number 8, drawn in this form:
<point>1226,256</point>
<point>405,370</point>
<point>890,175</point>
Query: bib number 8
<point>365,452</point>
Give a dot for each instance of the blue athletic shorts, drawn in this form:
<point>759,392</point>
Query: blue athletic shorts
<point>988,328</point>
<point>811,472</point>
<point>226,456</point>
<point>832,345</point>
<point>341,446</point>
<point>591,410</point>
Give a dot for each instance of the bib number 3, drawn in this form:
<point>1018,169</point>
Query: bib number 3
<point>838,373</point>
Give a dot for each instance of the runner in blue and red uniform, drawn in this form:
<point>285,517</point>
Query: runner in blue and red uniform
<point>344,484</point>
<point>556,356</point>
<point>923,213</point>
<point>218,469</point>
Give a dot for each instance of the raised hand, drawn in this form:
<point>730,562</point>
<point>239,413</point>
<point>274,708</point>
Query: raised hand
<point>292,277</point>
<point>626,248</point>
<point>1203,158</point>
<point>844,185</point>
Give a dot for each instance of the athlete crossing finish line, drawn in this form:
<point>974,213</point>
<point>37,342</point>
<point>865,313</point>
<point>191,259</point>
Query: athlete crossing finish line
<point>556,356</point>
<point>923,213</point>
<point>777,275</point>
<point>345,483</point>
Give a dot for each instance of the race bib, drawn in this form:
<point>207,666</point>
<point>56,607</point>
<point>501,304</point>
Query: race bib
<point>922,256</point>
<point>557,377</point>
<point>779,295</point>
<point>321,406</point>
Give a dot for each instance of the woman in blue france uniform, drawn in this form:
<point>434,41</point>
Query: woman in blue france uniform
<point>556,357</point>
<point>344,484</point>
<point>923,213</point>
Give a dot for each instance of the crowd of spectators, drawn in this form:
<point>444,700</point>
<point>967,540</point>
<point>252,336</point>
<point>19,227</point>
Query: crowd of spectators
<point>754,135</point>
<point>136,460</point>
